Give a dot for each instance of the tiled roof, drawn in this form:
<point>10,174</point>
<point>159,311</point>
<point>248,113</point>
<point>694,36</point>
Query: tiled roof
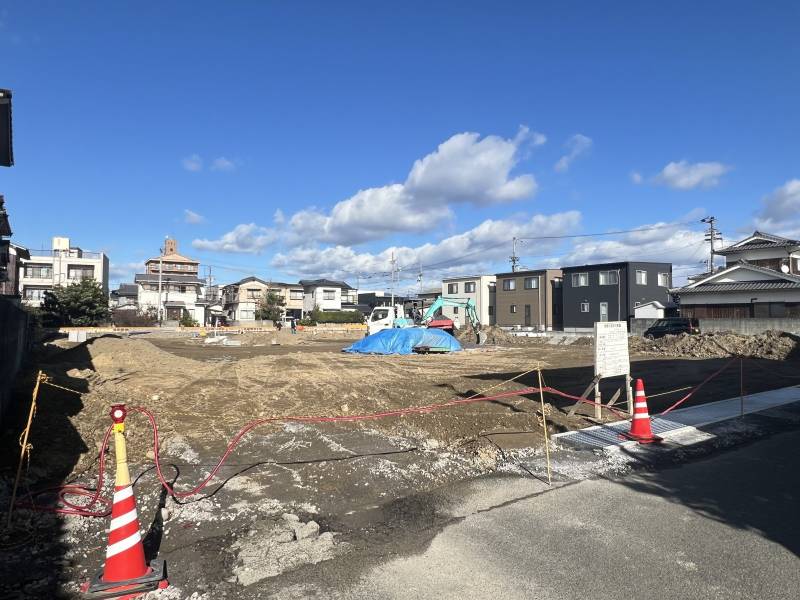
<point>769,241</point>
<point>741,286</point>
<point>127,289</point>
<point>324,282</point>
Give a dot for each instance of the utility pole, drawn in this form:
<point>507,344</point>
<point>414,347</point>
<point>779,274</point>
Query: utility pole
<point>711,236</point>
<point>393,263</point>
<point>160,272</point>
<point>514,258</point>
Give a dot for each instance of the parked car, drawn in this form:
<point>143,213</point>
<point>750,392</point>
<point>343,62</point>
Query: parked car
<point>672,326</point>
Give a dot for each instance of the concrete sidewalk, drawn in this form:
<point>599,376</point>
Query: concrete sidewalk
<point>681,423</point>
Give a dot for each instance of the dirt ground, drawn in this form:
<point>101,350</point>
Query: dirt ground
<point>353,480</point>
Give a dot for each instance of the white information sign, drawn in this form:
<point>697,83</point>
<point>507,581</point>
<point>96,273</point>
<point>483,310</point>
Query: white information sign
<point>611,357</point>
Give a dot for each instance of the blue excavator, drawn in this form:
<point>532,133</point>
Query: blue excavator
<point>430,318</point>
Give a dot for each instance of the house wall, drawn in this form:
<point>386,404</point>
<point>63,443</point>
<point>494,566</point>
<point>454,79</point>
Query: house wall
<point>314,296</point>
<point>483,296</point>
<point>767,257</point>
<point>620,298</point>
<point>540,300</point>
<point>149,298</point>
<point>648,312</point>
<point>750,326</point>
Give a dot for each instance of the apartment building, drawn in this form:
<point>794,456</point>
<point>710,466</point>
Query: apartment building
<point>62,265</point>
<point>611,291</point>
<point>530,299</point>
<point>240,300</point>
<point>478,288</point>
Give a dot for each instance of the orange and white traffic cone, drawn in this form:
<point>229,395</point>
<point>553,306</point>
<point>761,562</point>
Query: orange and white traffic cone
<point>641,430</point>
<point>125,574</point>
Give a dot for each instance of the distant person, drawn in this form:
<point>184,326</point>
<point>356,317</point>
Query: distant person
<point>278,325</point>
<point>294,326</point>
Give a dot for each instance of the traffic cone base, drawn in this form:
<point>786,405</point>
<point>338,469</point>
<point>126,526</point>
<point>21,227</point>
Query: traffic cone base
<point>641,430</point>
<point>154,578</point>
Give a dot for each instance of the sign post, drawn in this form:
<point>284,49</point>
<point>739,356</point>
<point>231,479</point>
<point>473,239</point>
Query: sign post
<point>611,358</point>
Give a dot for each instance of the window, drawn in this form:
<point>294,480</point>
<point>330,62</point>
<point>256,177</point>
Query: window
<point>455,310</point>
<point>641,277</point>
<point>295,294</point>
<point>349,298</point>
<point>513,309</point>
<point>329,294</point>
<point>469,287</point>
<point>635,304</point>
<point>182,289</point>
<point>584,307</point>
<point>34,293</point>
<point>253,293</point>
<point>380,314</point>
<point>80,272</point>
<point>531,283</point>
<point>609,278</point>
<point>509,285</point>
<point>39,271</point>
<point>491,311</point>
<point>452,288</point>
<point>663,279</point>
<point>580,280</point>
<point>153,287</point>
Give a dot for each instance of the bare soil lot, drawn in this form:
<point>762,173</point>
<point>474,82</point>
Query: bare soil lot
<point>358,481</point>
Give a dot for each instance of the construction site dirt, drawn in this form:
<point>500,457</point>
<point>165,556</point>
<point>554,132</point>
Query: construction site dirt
<point>360,482</point>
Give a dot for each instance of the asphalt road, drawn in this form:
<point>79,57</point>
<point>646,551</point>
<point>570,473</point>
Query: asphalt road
<point>725,527</point>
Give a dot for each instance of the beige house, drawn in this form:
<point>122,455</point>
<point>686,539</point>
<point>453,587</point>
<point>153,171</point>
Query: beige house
<point>479,289</point>
<point>171,286</point>
<point>241,299</point>
<point>529,299</point>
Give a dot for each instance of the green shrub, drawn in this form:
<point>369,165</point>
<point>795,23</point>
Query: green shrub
<point>341,316</point>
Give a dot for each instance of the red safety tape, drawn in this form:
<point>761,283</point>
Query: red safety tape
<point>701,384</point>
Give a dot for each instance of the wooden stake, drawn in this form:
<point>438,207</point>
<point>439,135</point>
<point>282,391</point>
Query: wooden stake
<point>544,425</point>
<point>24,448</point>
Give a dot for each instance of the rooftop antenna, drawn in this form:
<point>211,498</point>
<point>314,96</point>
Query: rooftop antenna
<point>514,258</point>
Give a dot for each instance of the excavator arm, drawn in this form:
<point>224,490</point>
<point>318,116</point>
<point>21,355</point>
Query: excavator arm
<point>469,310</point>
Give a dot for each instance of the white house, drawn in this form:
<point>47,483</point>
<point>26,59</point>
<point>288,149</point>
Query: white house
<point>479,288</point>
<point>328,295</point>
<point>62,265</point>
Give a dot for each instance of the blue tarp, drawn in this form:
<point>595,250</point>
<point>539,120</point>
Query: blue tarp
<point>404,340</point>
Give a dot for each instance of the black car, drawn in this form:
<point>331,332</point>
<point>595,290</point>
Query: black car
<point>672,326</point>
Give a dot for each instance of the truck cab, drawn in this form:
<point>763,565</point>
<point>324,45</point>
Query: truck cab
<point>387,317</point>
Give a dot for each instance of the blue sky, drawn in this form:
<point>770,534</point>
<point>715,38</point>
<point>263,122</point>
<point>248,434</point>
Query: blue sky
<point>314,138</point>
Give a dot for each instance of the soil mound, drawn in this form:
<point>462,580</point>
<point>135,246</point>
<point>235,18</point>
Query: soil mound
<point>774,345</point>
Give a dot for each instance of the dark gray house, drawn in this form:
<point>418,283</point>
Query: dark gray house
<point>611,291</point>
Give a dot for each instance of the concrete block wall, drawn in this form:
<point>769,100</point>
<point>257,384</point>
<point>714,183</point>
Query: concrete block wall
<point>750,326</point>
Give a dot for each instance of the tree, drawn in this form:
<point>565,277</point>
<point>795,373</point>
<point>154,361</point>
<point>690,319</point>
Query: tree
<point>82,303</point>
<point>271,307</point>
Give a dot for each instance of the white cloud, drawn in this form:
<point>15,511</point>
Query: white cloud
<point>278,217</point>
<point>538,139</point>
<point>780,210</point>
<point>193,163</point>
<point>124,272</point>
<point>476,249</point>
<point>683,175</point>
<point>636,177</point>
<point>223,164</point>
<point>671,243</point>
<point>191,217</point>
<point>576,145</point>
<point>464,169</point>
<point>245,238</point>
